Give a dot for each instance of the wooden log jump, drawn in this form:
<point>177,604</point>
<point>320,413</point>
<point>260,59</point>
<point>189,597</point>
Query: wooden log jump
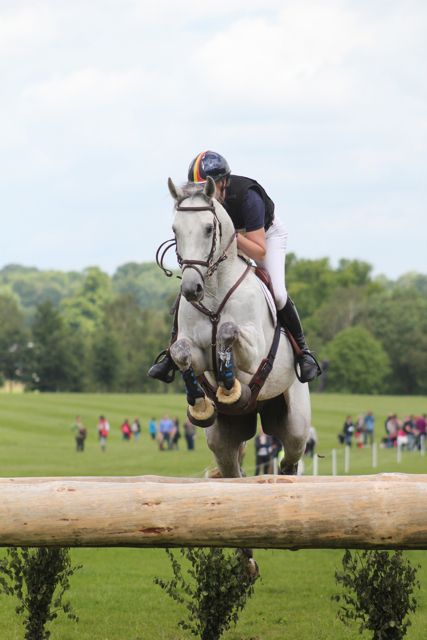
<point>385,511</point>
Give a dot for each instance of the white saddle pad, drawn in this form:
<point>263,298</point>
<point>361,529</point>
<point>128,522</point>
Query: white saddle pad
<point>270,302</point>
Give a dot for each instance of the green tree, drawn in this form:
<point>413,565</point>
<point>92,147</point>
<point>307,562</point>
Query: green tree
<point>214,589</point>
<point>106,360</point>
<point>58,363</point>
<point>357,362</point>
<point>378,592</point>
<point>84,311</point>
<point>14,339</point>
<point>398,319</point>
<point>39,579</point>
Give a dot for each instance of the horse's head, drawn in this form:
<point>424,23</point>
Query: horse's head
<point>204,235</point>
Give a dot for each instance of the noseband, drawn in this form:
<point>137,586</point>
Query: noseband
<point>209,263</point>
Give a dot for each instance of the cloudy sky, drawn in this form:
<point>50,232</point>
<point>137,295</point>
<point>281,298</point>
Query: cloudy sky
<point>323,102</point>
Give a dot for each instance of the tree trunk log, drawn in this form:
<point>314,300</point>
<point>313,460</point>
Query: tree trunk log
<point>386,511</point>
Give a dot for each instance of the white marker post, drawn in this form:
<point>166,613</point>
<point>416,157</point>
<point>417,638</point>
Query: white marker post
<point>422,444</point>
<point>315,465</point>
<point>374,455</point>
<point>334,462</point>
<point>346,459</point>
<point>399,454</point>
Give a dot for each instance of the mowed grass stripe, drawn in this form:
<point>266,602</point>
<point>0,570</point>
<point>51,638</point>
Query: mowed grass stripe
<point>114,594</point>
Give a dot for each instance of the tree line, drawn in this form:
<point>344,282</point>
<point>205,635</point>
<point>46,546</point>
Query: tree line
<point>89,331</point>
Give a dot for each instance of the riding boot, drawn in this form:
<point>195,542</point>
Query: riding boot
<point>306,366</point>
<point>163,368</point>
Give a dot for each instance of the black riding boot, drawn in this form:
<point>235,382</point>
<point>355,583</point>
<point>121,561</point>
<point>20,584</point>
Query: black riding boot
<point>306,366</point>
<point>163,368</point>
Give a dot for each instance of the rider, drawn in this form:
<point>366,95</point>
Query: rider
<point>262,237</point>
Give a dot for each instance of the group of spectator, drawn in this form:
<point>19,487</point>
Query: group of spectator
<point>362,430</point>
<point>168,433</point>
<point>408,433</point>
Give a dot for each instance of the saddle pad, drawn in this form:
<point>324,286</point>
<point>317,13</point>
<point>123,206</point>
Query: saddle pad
<point>269,300</point>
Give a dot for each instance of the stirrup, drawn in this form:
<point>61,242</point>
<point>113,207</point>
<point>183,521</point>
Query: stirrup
<point>298,362</point>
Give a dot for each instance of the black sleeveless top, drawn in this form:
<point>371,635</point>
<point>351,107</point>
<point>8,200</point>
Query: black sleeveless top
<point>235,201</point>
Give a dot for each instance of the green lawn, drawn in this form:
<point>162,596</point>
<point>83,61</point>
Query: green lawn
<point>114,594</point>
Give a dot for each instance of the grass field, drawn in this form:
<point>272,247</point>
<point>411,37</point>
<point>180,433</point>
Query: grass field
<point>114,594</point>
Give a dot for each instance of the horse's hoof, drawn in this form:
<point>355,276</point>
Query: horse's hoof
<point>229,397</point>
<point>289,469</point>
<point>202,417</point>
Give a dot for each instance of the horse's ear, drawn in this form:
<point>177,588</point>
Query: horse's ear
<point>209,189</point>
<point>175,192</point>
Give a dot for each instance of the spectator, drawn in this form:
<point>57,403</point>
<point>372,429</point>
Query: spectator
<point>263,453</point>
<point>421,428</point>
<point>80,434</point>
<point>152,428</point>
<point>346,437</point>
<point>311,442</point>
<point>103,432</point>
<point>126,430</point>
<point>190,434</point>
<point>136,429</point>
<point>410,432</point>
<point>165,430</point>
<point>369,427</point>
<point>104,427</point>
<point>175,434</point>
<point>392,426</point>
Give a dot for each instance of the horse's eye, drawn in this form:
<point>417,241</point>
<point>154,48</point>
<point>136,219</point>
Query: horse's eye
<point>209,229</point>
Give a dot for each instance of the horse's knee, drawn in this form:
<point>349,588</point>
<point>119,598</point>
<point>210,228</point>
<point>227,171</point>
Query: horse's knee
<point>181,353</point>
<point>227,334</point>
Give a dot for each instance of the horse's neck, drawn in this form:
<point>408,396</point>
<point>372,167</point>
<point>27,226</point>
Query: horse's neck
<point>226,276</point>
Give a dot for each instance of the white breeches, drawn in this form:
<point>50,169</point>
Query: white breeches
<point>274,261</point>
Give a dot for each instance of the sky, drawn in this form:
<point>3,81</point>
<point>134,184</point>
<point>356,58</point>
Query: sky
<point>324,102</point>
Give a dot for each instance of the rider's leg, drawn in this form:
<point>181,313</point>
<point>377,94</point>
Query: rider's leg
<point>274,262</point>
<point>289,319</point>
<point>164,367</point>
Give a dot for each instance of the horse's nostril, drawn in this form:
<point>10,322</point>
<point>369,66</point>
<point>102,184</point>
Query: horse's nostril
<point>199,288</point>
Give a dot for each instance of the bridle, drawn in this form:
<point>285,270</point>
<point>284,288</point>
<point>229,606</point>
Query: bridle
<point>210,263</point>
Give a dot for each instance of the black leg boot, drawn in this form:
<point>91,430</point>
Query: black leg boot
<point>306,366</point>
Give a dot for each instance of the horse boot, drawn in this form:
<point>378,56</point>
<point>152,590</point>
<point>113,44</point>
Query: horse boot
<point>305,361</point>
<point>163,368</point>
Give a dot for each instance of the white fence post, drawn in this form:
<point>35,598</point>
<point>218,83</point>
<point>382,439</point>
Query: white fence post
<point>346,459</point>
<point>374,455</point>
<point>422,444</point>
<point>399,454</point>
<point>334,462</point>
<point>315,465</point>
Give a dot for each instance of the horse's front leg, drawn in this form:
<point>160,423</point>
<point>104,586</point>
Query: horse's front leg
<point>201,410</point>
<point>230,390</point>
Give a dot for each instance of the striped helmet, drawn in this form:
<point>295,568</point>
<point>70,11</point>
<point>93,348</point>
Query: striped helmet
<point>208,163</point>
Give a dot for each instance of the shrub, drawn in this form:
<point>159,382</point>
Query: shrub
<point>214,589</point>
<point>38,577</point>
<point>378,588</point>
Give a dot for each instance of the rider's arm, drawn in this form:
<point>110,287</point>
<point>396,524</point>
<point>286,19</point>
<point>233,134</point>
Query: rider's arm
<point>252,243</point>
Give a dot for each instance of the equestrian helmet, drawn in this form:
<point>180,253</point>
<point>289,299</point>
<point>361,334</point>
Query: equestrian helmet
<point>208,163</point>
